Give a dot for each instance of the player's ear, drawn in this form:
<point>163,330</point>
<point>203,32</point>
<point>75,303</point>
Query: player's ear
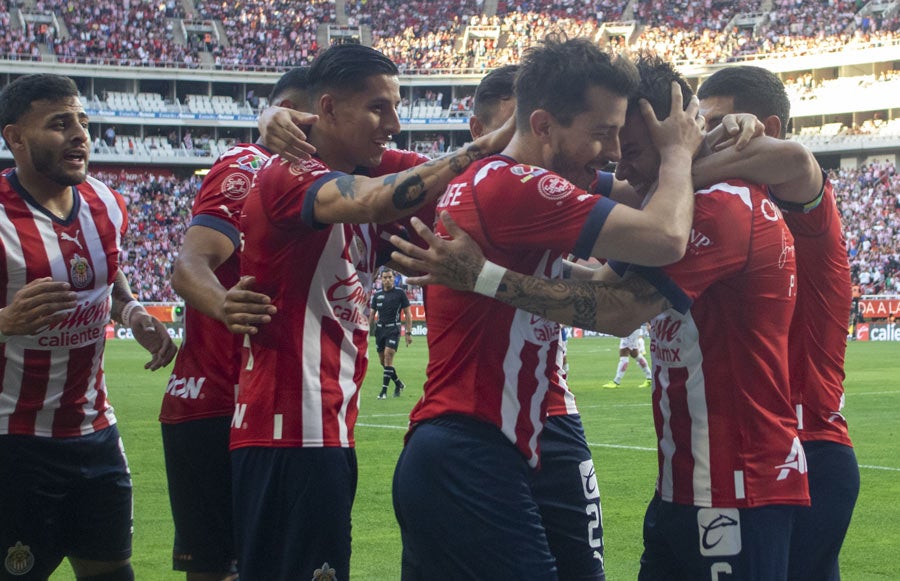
<point>541,123</point>
<point>476,127</point>
<point>12,133</point>
<point>772,124</point>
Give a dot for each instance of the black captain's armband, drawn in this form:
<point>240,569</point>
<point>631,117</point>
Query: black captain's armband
<point>797,207</point>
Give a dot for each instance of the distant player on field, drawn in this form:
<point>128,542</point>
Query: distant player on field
<point>387,304</point>
<point>631,346</point>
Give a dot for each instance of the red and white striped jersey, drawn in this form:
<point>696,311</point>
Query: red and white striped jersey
<point>488,360</point>
<point>300,379</point>
<point>726,430</point>
<point>205,376</point>
<point>818,337</point>
<point>53,381</point>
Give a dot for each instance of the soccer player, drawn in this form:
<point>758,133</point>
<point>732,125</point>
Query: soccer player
<point>310,245</point>
<point>731,467</point>
<point>199,398</point>
<point>818,336</point>
<point>66,489</point>
<point>387,304</point>
<point>462,487</point>
<point>631,346</point>
<point>565,488</point>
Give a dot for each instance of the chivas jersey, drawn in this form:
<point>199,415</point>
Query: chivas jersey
<point>818,337</point>
<point>53,381</point>
<point>301,374</point>
<point>726,429</point>
<point>488,360</point>
<point>205,376</point>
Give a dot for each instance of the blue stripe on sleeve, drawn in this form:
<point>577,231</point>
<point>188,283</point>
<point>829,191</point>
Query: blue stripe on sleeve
<point>592,227</point>
<point>219,225</point>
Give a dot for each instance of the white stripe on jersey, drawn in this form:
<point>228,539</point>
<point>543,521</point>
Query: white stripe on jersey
<point>699,447</point>
<point>742,192</point>
<point>510,408</point>
<point>9,237</point>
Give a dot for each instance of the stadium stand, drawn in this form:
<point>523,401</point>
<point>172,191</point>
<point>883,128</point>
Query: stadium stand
<point>841,78</point>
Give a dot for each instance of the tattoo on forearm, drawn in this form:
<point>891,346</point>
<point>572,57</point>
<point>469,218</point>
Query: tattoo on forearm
<point>588,304</point>
<point>410,192</point>
<point>462,160</point>
<point>346,185</point>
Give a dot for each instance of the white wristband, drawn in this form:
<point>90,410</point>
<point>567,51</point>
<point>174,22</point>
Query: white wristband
<point>128,312</point>
<point>489,278</point>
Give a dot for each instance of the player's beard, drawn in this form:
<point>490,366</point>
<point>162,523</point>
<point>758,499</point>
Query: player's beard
<point>577,174</point>
<point>49,165</point>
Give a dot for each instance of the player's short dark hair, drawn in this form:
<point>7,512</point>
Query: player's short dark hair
<point>556,74</point>
<point>755,90</point>
<point>656,85</point>
<point>347,67</point>
<point>293,82</point>
<point>17,97</point>
<point>387,270</point>
<point>498,85</point>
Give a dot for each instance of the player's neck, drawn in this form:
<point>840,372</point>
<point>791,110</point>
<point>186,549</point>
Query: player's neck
<point>54,197</point>
<point>525,149</point>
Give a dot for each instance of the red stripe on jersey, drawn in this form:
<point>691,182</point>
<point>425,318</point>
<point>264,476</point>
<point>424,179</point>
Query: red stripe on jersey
<point>32,392</point>
<point>72,401</point>
<point>680,424</point>
<point>527,386</point>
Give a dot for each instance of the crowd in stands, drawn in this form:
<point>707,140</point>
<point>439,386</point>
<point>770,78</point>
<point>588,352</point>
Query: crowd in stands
<point>869,200</point>
<point>271,34</point>
<point>159,206</point>
<point>159,210</point>
<point>430,35</point>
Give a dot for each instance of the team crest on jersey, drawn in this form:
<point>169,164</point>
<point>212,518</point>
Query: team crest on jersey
<point>324,573</point>
<point>19,559</point>
<point>250,162</point>
<point>554,187</point>
<point>304,166</point>
<point>80,272</point>
<point>236,186</point>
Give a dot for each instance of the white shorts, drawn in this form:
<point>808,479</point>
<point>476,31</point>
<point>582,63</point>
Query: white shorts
<point>631,341</point>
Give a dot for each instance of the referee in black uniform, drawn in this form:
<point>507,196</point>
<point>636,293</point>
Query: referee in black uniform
<point>386,306</point>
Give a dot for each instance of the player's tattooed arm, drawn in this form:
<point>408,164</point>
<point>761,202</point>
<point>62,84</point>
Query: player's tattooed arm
<point>360,200</point>
<point>616,307</point>
<point>610,307</point>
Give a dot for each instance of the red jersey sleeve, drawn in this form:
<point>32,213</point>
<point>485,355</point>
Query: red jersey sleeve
<point>287,191</point>
<point>548,211</point>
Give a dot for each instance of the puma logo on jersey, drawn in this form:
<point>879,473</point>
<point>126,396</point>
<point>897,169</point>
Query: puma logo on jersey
<point>228,212</point>
<point>74,239</point>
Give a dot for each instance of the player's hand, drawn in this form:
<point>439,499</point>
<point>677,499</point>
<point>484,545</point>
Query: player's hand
<point>453,262</point>
<point>408,339</point>
<point>154,337</point>
<point>283,131</point>
<point>244,310</point>
<point>683,128</point>
<point>736,129</point>
<point>40,303</point>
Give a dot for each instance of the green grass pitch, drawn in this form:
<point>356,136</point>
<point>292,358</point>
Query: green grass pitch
<point>619,428</point>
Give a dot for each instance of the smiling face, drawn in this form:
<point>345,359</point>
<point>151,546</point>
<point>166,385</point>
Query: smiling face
<point>591,141</point>
<point>640,161</point>
<point>362,123</point>
<point>51,142</point>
